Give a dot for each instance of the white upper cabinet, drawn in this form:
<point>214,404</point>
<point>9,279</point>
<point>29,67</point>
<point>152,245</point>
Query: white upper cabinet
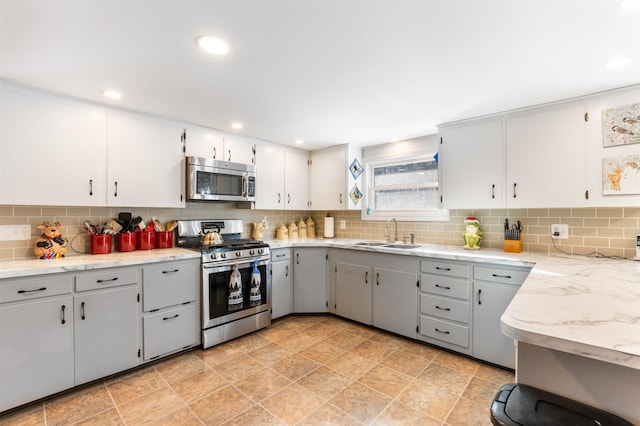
<point>238,149</point>
<point>296,179</point>
<point>546,159</point>
<point>145,163</point>
<point>281,181</point>
<point>204,142</point>
<point>330,179</point>
<point>53,151</point>
<point>471,164</point>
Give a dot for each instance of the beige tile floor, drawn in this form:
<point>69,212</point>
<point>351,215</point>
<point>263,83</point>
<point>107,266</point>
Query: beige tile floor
<point>302,370</point>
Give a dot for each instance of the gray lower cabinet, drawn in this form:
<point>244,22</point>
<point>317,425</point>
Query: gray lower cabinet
<point>36,338</point>
<point>106,319</point>
<point>281,283</point>
<point>171,317</point>
<point>354,292</point>
<point>310,280</point>
<point>395,301</point>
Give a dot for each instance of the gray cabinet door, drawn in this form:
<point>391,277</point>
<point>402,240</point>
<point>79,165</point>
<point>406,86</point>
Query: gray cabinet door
<point>281,289</point>
<point>490,301</point>
<point>310,280</point>
<point>170,330</point>
<point>395,301</point>
<point>106,332</point>
<point>353,292</point>
<point>36,350</point>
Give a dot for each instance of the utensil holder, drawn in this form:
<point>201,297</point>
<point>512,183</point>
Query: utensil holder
<point>512,246</point>
<point>146,240</point>
<point>100,243</point>
<point>164,239</point>
<point>126,241</point>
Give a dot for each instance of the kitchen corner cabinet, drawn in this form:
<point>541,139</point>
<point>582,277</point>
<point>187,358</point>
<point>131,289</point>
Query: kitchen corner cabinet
<point>281,283</point>
<point>310,280</point>
<point>145,163</point>
<point>493,290</point>
<point>330,179</point>
<point>106,319</point>
<point>282,176</point>
<point>472,165</point>
<point>53,151</point>
<point>170,301</point>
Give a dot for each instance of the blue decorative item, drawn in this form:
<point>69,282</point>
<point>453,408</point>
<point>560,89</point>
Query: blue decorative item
<point>255,295</point>
<point>355,168</point>
<point>435,157</point>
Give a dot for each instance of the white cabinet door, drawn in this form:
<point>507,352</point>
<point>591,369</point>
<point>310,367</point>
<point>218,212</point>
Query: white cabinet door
<point>238,149</point>
<point>106,332</point>
<point>270,172</point>
<point>310,280</point>
<point>353,292</point>
<point>204,142</point>
<point>145,165</point>
<point>36,350</point>
<point>281,289</point>
<point>471,162</point>
<point>490,302</point>
<point>296,179</point>
<point>328,179</point>
<point>395,301</point>
<point>546,159</point>
<point>52,152</point>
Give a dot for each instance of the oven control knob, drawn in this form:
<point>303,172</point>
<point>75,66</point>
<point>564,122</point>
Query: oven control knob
<point>213,256</point>
<point>252,252</point>
<point>238,253</point>
<point>224,255</point>
<point>260,251</point>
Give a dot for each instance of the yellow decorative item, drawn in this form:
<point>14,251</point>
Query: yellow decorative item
<point>293,230</point>
<point>50,245</point>
<point>302,229</point>
<point>311,228</point>
<point>258,231</point>
<point>472,234</point>
<point>282,233</point>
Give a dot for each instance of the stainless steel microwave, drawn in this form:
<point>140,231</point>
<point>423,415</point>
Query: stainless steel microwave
<point>215,180</point>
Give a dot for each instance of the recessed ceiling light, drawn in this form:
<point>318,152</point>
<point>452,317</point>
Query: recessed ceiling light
<point>112,94</point>
<point>394,140</point>
<point>212,45</point>
<point>237,125</point>
<point>299,141</point>
<point>617,63</point>
<point>629,4</point>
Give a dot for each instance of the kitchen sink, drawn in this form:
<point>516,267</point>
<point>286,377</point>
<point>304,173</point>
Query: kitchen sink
<point>401,246</point>
<point>369,243</point>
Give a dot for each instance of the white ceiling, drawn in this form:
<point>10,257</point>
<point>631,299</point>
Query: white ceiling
<point>325,71</point>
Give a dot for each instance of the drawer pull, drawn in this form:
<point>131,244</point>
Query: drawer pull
<point>479,292</point>
<point>63,320</point>
<point>443,286</point>
<point>443,309</point>
<point>107,281</point>
<point>170,272</point>
<point>501,276</point>
<point>281,255</point>
<point>32,291</point>
<point>442,269</point>
<point>168,318</point>
<point>443,332</point>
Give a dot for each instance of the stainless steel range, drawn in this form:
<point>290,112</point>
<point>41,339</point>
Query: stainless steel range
<point>236,284</point>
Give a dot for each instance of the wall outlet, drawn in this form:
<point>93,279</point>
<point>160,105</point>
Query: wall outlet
<point>343,224</point>
<point>560,231</point>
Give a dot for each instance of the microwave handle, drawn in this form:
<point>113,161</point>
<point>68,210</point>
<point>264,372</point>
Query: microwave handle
<point>245,185</point>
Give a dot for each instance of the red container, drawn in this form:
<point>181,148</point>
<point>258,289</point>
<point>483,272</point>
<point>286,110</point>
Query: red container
<point>164,239</point>
<point>100,243</point>
<point>146,240</point>
<point>127,241</point>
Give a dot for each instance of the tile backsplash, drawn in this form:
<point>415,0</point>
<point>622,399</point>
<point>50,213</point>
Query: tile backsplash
<point>605,231</point>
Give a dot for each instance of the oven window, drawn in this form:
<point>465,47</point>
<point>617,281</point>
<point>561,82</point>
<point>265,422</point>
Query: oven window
<point>224,296</point>
<point>218,184</point>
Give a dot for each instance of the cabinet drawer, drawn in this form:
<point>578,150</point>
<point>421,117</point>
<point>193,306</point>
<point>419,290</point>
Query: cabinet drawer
<point>459,270</point>
<point>445,331</point>
<point>31,288</point>
<point>106,278</point>
<point>442,307</point>
<point>445,286</point>
<point>170,330</point>
<point>170,283</point>
<point>499,275</point>
<point>280,254</point>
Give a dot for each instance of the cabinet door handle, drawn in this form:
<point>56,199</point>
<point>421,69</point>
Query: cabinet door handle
<point>171,272</point>
<point>279,198</point>
<point>32,291</point>
<point>501,276</point>
<point>82,311</point>
<point>443,309</point>
<point>514,189</point>
<point>168,318</point>
<point>214,152</point>
<point>493,191</point>
<point>443,287</point>
<point>442,269</point>
<point>340,198</point>
<point>443,332</point>
<point>229,155</point>
<point>366,277</point>
<point>62,313</point>
<point>288,198</point>
<point>115,194</point>
<point>280,255</point>
<point>479,292</point>
<point>107,281</point>
<point>297,258</point>
<point>377,278</point>
<point>91,187</point>
<point>286,270</point>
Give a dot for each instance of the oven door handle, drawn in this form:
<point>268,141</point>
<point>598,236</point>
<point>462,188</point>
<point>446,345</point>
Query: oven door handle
<point>228,265</point>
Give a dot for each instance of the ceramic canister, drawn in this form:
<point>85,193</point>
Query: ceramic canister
<point>302,229</point>
<point>311,228</point>
<point>293,230</point>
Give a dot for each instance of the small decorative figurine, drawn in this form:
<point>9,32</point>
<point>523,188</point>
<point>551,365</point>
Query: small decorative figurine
<point>50,245</point>
<point>254,295</point>
<point>472,234</point>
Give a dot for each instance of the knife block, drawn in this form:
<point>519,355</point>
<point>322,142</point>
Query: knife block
<point>512,246</point>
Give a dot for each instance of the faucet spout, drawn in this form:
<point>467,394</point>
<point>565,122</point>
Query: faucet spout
<point>395,221</point>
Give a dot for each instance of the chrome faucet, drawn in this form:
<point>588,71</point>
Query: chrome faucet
<point>395,236</point>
